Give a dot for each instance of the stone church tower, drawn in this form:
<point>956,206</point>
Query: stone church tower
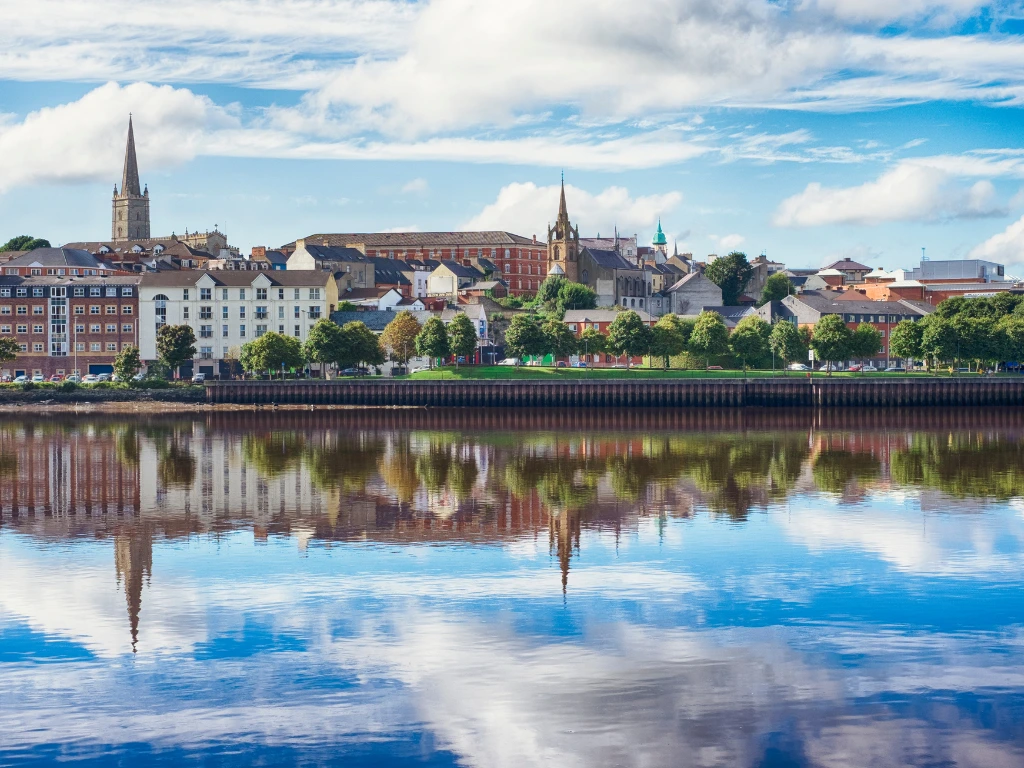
<point>564,244</point>
<point>130,219</point>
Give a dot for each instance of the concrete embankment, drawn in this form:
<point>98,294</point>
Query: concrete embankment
<point>639,393</point>
<point>86,395</point>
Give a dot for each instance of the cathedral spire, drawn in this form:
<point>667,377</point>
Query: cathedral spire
<point>130,177</point>
<point>563,211</point>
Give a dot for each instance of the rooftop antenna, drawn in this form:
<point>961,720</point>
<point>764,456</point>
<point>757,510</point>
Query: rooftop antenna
<point>923,257</point>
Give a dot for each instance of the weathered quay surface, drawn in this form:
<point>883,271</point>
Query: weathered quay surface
<point>640,393</point>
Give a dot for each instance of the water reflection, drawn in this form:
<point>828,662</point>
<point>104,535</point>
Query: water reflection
<point>488,589</point>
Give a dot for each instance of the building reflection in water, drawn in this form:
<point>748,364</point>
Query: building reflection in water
<point>328,477</point>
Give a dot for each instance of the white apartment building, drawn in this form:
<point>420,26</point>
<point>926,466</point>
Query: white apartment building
<point>227,309</point>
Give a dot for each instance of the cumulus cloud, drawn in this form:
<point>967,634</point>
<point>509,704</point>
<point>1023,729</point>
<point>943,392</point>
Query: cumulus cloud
<point>527,208</point>
<point>84,140</point>
<point>911,191</point>
<point>1006,247</point>
<point>728,243</point>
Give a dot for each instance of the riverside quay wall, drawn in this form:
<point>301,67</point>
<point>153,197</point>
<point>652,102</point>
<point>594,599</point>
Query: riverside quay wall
<point>639,393</point>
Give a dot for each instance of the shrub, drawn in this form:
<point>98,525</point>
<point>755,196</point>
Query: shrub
<point>67,386</point>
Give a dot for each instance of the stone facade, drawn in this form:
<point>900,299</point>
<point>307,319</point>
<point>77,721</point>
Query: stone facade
<point>564,243</point>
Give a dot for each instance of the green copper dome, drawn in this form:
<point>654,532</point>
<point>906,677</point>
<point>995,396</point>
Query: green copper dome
<point>659,238</point>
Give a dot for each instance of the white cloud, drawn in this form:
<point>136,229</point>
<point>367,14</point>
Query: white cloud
<point>85,139</point>
<point>527,208</point>
<point>1006,247</point>
<point>728,243</point>
<point>911,191</point>
<point>886,10</point>
<point>415,187</point>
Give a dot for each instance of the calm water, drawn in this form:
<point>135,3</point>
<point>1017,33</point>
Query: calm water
<point>474,589</point>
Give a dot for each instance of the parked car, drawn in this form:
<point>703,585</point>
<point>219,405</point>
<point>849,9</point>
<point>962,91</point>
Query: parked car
<point>5,379</point>
<point>139,376</point>
<point>510,361</point>
<point>619,365</point>
<point>354,372</point>
<point>103,377</point>
<point>561,364</point>
<point>37,378</point>
<point>580,364</point>
<point>20,379</point>
<point>798,367</point>
<point>856,368</point>
<point>199,378</point>
<point>56,378</point>
<point>895,369</point>
<point>715,368</point>
<point>91,378</point>
<point>74,378</point>
<point>869,368</point>
<point>535,363</point>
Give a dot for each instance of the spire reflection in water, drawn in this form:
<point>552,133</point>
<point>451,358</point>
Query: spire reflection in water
<point>492,589</point>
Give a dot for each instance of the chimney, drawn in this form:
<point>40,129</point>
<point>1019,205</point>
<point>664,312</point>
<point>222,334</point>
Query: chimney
<point>534,238</point>
<point>300,243</point>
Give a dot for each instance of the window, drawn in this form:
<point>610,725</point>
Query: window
<point>112,292</point>
<point>160,309</point>
<point>37,329</point>
<point>280,313</point>
<point>36,272</point>
<point>296,293</point>
<point>79,329</point>
<point>111,346</point>
<point>95,346</point>
<point>5,293</point>
<point>23,347</point>
<point>206,331</point>
<point>37,293</point>
<point>224,331</point>
<point>127,291</point>
<point>22,292</point>
<point>126,309</point>
<point>127,328</point>
<point>37,347</point>
<point>224,294</point>
<point>223,313</point>
<point>241,331</point>
<point>94,291</point>
<point>261,313</point>
<point>206,294</point>
<point>206,352</point>
<point>260,330</point>
<point>6,329</point>
<point>205,313</point>
<point>94,309</point>
<point>111,309</point>
<point>298,331</point>
<point>314,294</point>
<point>22,310</point>
<point>241,313</point>
<point>5,310</point>
<point>261,294</point>
<point>241,294</point>
<point>22,329</point>
<point>184,313</point>
<point>297,313</point>
<point>280,329</point>
<point>314,313</point>
<point>94,328</point>
<point>280,294</point>
<point>79,309</point>
<point>185,294</point>
<point>79,346</point>
<point>111,328</point>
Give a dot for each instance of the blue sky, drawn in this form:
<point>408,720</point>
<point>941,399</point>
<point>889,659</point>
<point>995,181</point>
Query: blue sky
<point>810,129</point>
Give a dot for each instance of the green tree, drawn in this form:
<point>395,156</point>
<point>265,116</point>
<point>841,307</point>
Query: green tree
<point>276,352</point>
<point>866,341</point>
<point>593,342</point>
<point>629,335</point>
<point>25,243</point>
<point>175,345</point>
<point>786,343</point>
<point>710,337</point>
<point>9,349</point>
<point>128,363</point>
<point>575,296</point>
<point>346,306</point>
<point>246,359</point>
<point>524,337</point>
<point>776,288</point>
<point>1012,328</point>
<point>669,337</point>
<point>906,340</point>
<point>832,340</point>
<point>432,341</point>
<point>939,340</point>
<point>548,292</point>
<point>730,273</point>
<point>749,339</point>
<point>561,341</point>
<point>358,344</point>
<point>462,338</point>
<point>323,345</point>
<point>399,337</point>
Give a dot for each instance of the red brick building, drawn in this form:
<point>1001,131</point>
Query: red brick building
<point>600,320</point>
<point>65,325</point>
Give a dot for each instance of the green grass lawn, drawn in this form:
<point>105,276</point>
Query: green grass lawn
<point>551,374</point>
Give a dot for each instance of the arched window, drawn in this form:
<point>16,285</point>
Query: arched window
<point>585,276</point>
<point>556,252</point>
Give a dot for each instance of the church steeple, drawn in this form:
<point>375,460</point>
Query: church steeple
<point>130,214</point>
<point>563,211</point>
<point>564,242</point>
<point>130,178</point>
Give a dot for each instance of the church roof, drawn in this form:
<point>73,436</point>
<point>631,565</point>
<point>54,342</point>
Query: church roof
<point>58,257</point>
<point>609,259</point>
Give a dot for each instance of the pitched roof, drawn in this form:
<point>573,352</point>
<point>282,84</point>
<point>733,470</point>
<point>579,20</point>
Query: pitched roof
<point>405,240</point>
<point>731,312</point>
<point>460,270</point>
<point>58,257</point>
<point>334,253</point>
<point>848,265</point>
<point>377,320</point>
<point>364,293</point>
<point>240,278</point>
<point>609,259</point>
<point>827,302</point>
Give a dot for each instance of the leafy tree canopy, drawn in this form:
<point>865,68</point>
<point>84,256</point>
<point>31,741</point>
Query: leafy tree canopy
<point>432,341</point>
<point>710,337</point>
<point>629,335</point>
<point>128,363</point>
<point>749,340</point>
<point>832,340</point>
<point>8,349</point>
<point>175,345</point>
<point>786,343</point>
<point>866,341</point>
<point>524,337</point>
<point>560,340</point>
<point>359,345</point>
<point>462,336</point>
<point>25,243</point>
<point>776,288</point>
<point>669,337</point>
<point>575,296</point>
<point>399,337</point>
<point>593,342</point>
<point>905,340</point>
<point>730,273</point>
